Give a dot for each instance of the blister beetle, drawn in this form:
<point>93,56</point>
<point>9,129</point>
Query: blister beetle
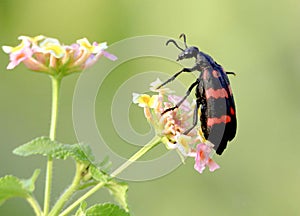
<point>213,97</point>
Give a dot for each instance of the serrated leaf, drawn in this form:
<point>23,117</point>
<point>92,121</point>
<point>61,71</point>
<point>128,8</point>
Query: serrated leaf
<point>119,191</point>
<point>40,145</point>
<point>11,186</point>
<point>84,152</point>
<point>47,147</point>
<point>106,209</point>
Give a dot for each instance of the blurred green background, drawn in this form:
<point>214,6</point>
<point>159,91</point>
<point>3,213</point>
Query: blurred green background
<point>259,40</point>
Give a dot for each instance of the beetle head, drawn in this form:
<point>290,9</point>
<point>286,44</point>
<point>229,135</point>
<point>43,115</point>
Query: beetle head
<point>188,52</point>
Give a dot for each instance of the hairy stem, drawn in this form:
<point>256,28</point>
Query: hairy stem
<point>69,192</point>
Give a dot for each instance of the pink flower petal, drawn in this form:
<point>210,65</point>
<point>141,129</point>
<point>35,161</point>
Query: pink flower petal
<point>11,65</point>
<point>109,56</point>
<point>17,57</point>
<point>199,167</point>
<point>203,158</point>
<point>162,90</point>
<point>212,165</point>
<point>185,106</point>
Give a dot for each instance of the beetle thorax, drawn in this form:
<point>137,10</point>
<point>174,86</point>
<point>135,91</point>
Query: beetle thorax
<point>202,61</point>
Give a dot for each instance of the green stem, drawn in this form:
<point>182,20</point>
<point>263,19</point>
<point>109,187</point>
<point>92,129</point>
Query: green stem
<point>82,198</point>
<point>55,96</point>
<point>34,204</point>
<point>154,142</point>
<point>69,192</point>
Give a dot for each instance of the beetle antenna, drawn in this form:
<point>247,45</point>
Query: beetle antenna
<point>174,42</point>
<point>184,39</point>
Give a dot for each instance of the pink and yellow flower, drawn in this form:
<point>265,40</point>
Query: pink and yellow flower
<point>171,126</point>
<point>18,53</point>
<point>48,55</point>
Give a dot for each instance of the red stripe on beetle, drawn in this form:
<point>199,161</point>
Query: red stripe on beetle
<point>223,119</point>
<point>218,93</point>
<point>232,111</point>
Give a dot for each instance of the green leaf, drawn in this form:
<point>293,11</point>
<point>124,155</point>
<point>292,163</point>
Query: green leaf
<point>98,175</point>
<point>79,152</point>
<point>105,164</point>
<point>29,183</point>
<point>106,209</point>
<point>40,145</point>
<point>93,177</point>
<point>47,147</point>
<point>11,186</point>
<point>119,191</point>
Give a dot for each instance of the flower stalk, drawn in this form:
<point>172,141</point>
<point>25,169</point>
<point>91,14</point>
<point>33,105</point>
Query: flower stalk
<point>154,142</point>
<point>56,83</point>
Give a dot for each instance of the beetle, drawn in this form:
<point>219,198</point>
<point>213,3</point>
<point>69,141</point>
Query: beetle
<point>213,97</point>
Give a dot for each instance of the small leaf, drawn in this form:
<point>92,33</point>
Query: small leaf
<point>11,186</point>
<point>93,177</point>
<point>47,147</point>
<point>29,183</point>
<point>119,191</point>
<point>81,210</point>
<point>40,145</point>
<point>105,164</point>
<point>98,175</point>
<point>106,209</point>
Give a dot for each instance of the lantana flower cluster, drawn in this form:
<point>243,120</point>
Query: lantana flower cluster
<point>48,55</point>
<point>171,125</point>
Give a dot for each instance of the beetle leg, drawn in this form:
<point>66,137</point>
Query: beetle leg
<point>183,99</point>
<point>175,75</point>
<point>195,117</point>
